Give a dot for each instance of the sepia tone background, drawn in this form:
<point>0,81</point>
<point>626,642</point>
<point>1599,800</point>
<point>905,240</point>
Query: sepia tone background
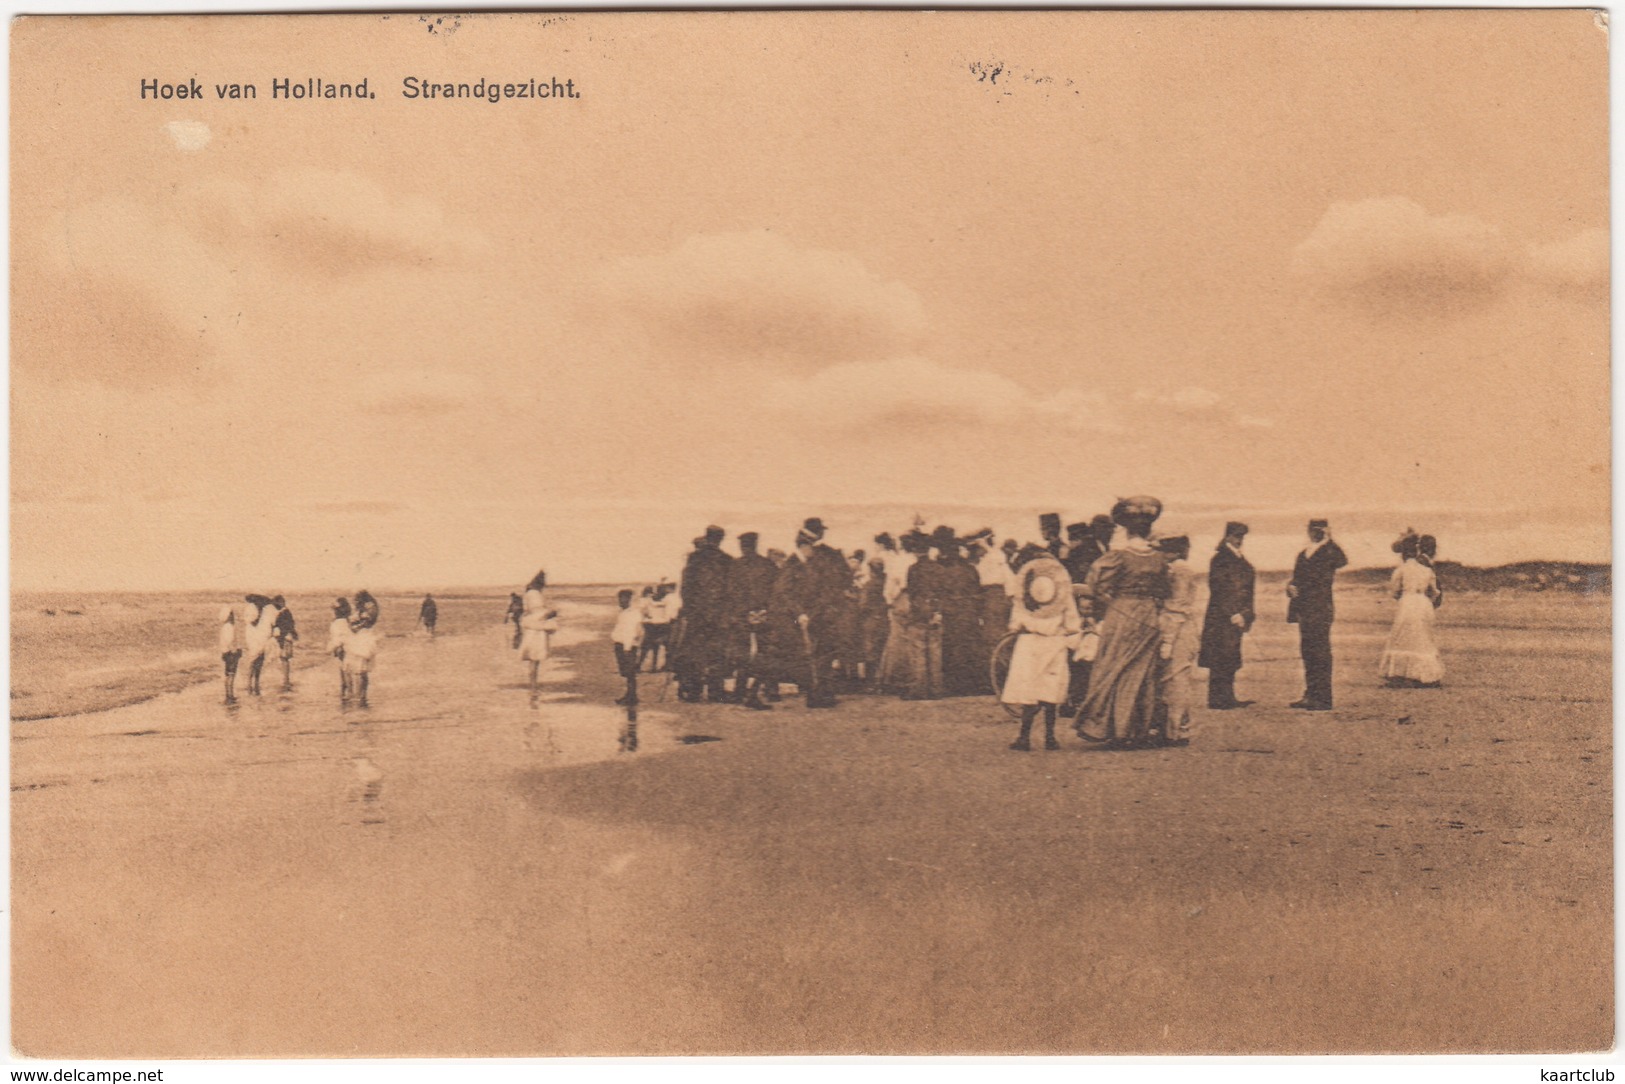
<point>1261,264</point>
<point>975,266</point>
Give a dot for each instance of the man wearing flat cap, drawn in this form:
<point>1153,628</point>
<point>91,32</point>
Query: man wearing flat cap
<point>1229,617</point>
<point>1310,608</point>
<point>699,651</point>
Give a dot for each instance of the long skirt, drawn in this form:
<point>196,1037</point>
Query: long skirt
<point>1177,677</point>
<point>964,658</point>
<point>911,665</point>
<point>874,628</point>
<point>902,659</point>
<point>1411,652</point>
<point>1123,681</point>
<point>1039,673</point>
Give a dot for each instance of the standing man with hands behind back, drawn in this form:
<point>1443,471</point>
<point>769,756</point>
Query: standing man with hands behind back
<point>1311,609</point>
<point>1229,617</point>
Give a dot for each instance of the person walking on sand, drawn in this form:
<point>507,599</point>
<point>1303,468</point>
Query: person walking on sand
<point>1127,587</point>
<point>362,647</point>
<point>1045,615</point>
<point>1410,659</point>
<point>1312,610</point>
<point>428,614</point>
<point>1179,642</point>
<point>257,638</point>
<point>627,639</point>
<point>1229,617</point>
<point>232,642</point>
<point>538,623</point>
<point>285,632</point>
<point>338,638</point>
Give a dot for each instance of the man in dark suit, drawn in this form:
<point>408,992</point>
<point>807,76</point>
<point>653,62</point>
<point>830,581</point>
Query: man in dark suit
<point>805,606</point>
<point>699,652</point>
<point>1311,610</point>
<point>750,589</point>
<point>1229,617</point>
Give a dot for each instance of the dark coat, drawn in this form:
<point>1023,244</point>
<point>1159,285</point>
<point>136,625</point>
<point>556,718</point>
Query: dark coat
<point>1312,576</point>
<point>700,639</point>
<point>1081,558</point>
<point>750,584</point>
<point>818,587</point>
<point>705,583</point>
<point>1230,592</point>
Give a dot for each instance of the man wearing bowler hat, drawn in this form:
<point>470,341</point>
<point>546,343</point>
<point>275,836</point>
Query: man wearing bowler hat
<point>1310,608</point>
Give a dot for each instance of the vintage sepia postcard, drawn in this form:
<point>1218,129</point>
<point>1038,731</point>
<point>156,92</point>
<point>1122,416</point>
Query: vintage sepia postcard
<point>810,532</point>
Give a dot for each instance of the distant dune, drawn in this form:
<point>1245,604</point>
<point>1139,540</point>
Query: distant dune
<point>1572,576</point>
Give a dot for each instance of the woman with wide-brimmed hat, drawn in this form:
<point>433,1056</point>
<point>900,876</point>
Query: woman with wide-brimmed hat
<point>1411,658</point>
<point>1127,586</point>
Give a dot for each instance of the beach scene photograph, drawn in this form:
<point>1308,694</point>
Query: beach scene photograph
<point>556,535</point>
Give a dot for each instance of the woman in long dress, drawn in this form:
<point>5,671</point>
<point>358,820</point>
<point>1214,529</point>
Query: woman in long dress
<point>1411,658</point>
<point>1046,616</point>
<point>1129,585</point>
<point>902,660</point>
<point>1181,632</point>
<point>536,624</point>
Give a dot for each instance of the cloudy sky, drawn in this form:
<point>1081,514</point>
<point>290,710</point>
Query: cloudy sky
<point>978,266</point>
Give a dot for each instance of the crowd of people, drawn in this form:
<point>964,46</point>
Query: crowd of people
<point>1098,623</point>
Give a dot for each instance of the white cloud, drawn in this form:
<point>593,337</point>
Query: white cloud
<point>329,221</point>
<point>913,393</point>
<point>757,296</point>
<point>1390,254</point>
<point>189,135</point>
<point>1199,404</point>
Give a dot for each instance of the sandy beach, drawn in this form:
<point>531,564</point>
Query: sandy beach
<point>456,872</point>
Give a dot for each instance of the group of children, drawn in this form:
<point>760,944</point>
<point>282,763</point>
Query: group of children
<point>251,628</point>
<point>252,635</point>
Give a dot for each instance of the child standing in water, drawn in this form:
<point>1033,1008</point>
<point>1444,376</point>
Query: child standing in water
<point>537,624</point>
<point>285,632</point>
<point>362,645</point>
<point>627,636</point>
<point>231,642</point>
<point>338,637</point>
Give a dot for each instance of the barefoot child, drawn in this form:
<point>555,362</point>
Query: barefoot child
<point>285,633</point>
<point>362,645</point>
<point>537,625</point>
<point>338,636</point>
<point>627,636</point>
<point>231,648</point>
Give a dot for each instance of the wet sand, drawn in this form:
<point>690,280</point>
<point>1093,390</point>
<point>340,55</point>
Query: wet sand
<point>455,873</point>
